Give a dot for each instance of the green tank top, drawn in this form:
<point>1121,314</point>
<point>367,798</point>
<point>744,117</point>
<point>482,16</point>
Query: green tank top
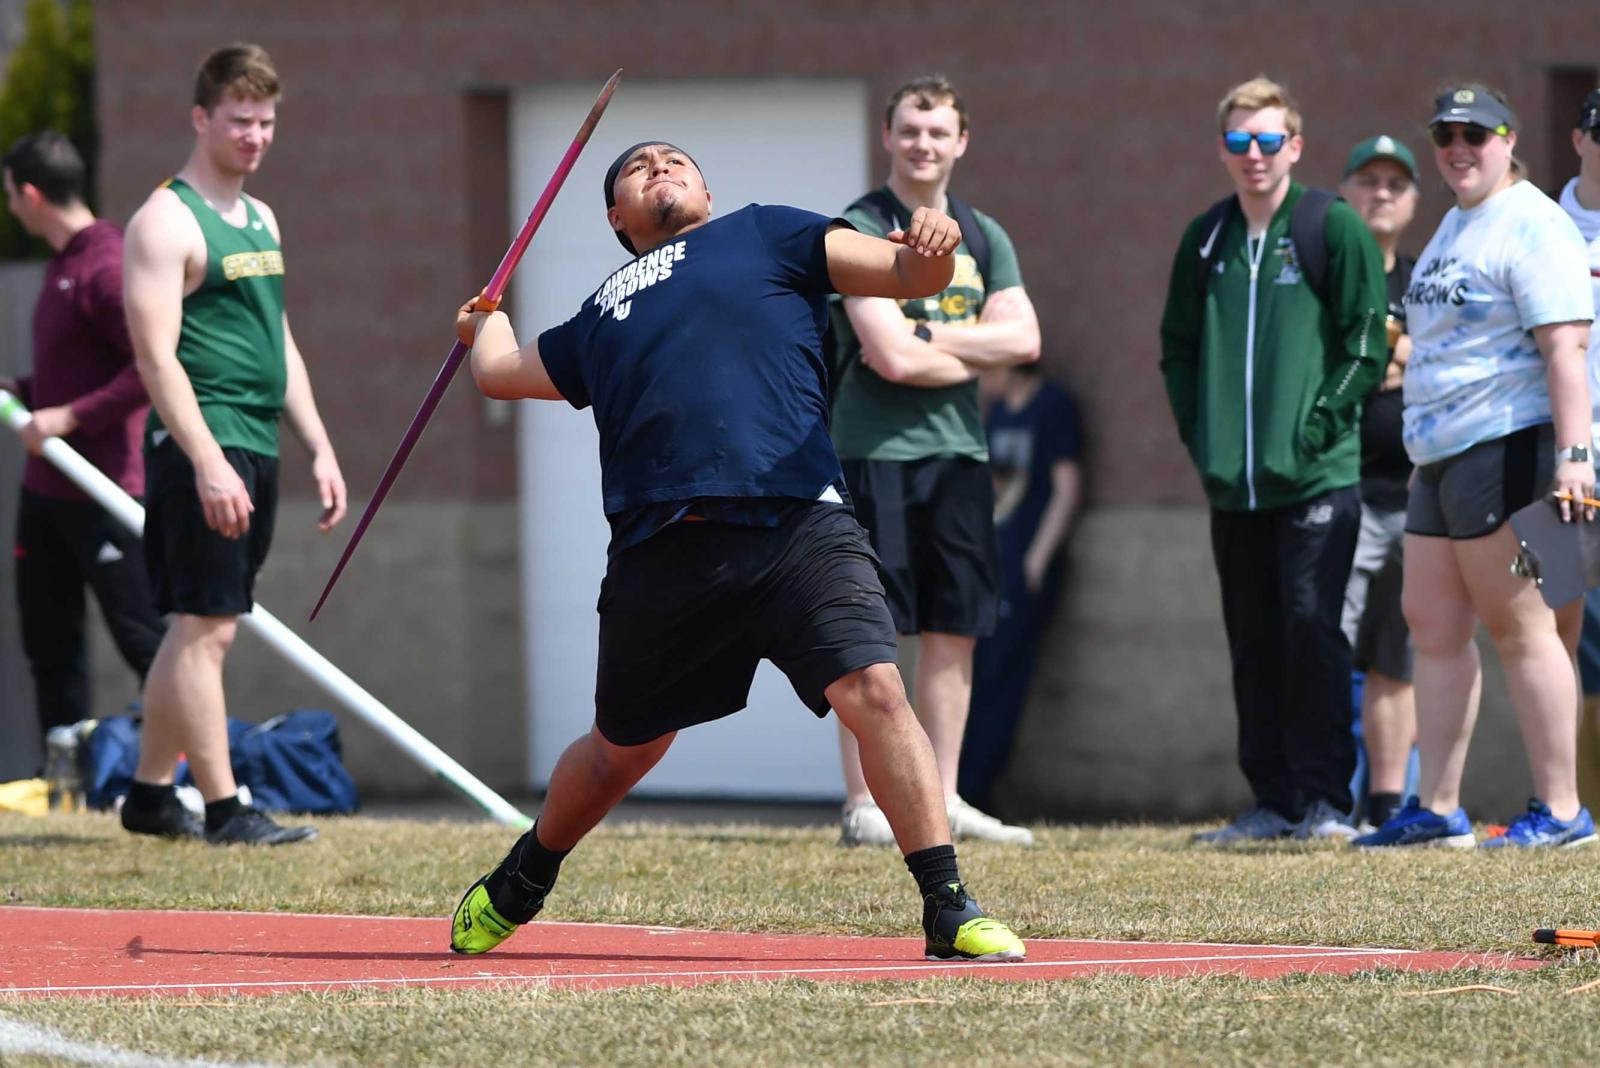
<point>231,345</point>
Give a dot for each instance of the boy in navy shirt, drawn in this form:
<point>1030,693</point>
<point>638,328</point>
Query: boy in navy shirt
<point>732,538</point>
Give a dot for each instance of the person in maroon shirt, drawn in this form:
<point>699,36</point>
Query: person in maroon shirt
<point>85,389</point>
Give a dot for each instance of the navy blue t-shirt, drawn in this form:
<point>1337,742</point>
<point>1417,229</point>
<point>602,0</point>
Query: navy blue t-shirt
<point>1024,447</point>
<point>703,362</point>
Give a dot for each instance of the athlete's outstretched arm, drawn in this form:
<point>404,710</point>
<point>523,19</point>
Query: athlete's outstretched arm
<point>502,369</point>
<point>915,262</point>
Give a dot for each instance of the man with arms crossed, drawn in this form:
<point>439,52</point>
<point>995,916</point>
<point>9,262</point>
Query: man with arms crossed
<point>83,388</point>
<point>907,426</point>
<point>1266,377</point>
<point>205,308</point>
<point>731,541</point>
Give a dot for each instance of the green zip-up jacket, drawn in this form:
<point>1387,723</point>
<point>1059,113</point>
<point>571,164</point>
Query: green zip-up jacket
<point>1266,381</point>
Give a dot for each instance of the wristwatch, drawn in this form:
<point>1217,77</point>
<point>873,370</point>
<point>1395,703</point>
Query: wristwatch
<point>921,330</point>
<point>1577,453</point>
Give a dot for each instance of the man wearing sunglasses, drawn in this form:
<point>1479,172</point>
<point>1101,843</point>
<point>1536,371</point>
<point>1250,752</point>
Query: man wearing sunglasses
<point>1266,372</point>
<point>1380,183</point>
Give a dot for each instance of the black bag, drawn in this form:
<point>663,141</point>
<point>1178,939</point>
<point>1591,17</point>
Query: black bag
<point>291,763</point>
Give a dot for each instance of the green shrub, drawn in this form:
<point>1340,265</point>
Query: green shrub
<point>49,84</point>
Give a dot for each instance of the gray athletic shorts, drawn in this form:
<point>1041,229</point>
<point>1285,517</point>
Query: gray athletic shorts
<point>1471,494</point>
<point>1372,620</point>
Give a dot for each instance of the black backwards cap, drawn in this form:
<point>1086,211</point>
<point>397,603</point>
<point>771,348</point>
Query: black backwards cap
<point>1589,113</point>
<point>616,168</point>
<point>1473,104</point>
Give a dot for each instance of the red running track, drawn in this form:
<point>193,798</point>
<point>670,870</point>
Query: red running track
<point>57,952</point>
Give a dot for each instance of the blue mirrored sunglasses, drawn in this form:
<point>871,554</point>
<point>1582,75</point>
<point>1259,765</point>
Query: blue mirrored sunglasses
<point>1238,142</point>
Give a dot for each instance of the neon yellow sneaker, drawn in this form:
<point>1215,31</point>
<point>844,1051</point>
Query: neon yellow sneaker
<point>958,930</point>
<point>476,926</point>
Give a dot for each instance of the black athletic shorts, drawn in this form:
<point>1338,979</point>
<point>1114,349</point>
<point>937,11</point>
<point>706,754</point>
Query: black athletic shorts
<point>932,524</point>
<point>193,569</point>
<point>1471,494</point>
<point>686,615</point>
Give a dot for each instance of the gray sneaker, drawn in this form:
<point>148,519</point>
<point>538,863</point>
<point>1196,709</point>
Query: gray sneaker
<point>968,822</point>
<point>1323,822</point>
<point>1255,825</point>
<point>865,824</point>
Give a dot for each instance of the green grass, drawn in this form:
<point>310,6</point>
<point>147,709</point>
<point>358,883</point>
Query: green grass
<point>1128,882</point>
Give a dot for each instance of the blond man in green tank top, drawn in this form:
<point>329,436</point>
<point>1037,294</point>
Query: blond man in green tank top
<point>204,295</point>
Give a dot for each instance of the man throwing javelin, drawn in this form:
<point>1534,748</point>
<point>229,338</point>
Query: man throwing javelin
<point>732,537</point>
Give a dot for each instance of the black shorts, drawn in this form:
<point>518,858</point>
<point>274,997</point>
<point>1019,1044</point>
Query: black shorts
<point>932,524</point>
<point>686,616</point>
<point>1471,494</point>
<point>193,569</point>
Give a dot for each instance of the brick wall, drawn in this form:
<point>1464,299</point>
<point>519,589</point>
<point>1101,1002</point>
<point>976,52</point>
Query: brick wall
<point>1092,142</point>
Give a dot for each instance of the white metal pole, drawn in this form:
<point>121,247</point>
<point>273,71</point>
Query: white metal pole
<point>128,512</point>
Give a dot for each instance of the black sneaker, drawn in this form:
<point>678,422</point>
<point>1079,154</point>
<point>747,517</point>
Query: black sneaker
<point>169,819</point>
<point>251,826</point>
<point>958,930</point>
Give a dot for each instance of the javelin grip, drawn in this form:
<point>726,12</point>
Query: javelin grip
<point>488,300</point>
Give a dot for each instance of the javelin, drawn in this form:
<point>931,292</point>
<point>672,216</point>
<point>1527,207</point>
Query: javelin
<point>1560,936</point>
<point>489,301</point>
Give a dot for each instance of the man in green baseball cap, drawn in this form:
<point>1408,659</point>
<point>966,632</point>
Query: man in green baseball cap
<point>1382,147</point>
<point>1380,183</point>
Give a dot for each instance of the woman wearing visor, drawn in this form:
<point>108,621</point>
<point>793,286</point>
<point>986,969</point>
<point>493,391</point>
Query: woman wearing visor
<point>1496,414</point>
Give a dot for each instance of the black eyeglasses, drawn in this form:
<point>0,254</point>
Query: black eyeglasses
<point>1444,133</point>
<point>1238,142</point>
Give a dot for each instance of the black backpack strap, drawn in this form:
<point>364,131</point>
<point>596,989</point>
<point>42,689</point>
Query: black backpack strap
<point>1308,230</point>
<point>1214,220</point>
<point>880,204</point>
<point>973,234</point>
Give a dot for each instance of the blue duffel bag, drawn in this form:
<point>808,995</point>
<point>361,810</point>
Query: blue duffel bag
<point>291,763</point>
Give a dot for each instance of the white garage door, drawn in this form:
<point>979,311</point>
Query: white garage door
<point>773,141</point>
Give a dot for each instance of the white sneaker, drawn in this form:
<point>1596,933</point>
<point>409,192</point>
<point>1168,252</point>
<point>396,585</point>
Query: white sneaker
<point>1254,825</point>
<point>1323,821</point>
<point>865,824</point>
<point>968,822</point>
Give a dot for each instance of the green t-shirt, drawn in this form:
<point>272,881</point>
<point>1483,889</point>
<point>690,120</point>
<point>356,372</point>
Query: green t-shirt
<point>875,419</point>
<point>231,345</point>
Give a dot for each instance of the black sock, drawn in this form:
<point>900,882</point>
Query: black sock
<point>222,810</point>
<point>933,868</point>
<point>148,795</point>
<point>1381,807</point>
<point>517,887</point>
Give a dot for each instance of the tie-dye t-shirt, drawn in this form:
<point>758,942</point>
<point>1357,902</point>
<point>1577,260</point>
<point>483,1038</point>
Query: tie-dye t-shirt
<point>1489,275</point>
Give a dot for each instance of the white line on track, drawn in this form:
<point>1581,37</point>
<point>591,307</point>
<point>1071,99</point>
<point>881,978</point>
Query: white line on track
<point>18,1038</point>
<point>656,928</point>
<point>708,973</point>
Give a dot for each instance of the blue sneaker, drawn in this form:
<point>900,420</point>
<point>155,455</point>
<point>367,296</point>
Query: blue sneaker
<point>1414,825</point>
<point>1536,827</point>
